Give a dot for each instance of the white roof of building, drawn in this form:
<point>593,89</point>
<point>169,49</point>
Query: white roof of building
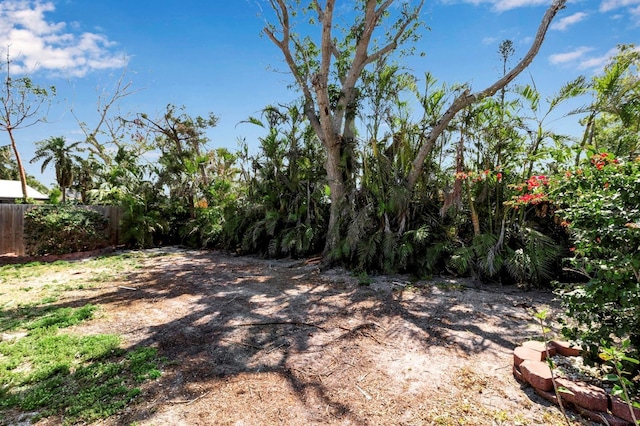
<point>13,189</point>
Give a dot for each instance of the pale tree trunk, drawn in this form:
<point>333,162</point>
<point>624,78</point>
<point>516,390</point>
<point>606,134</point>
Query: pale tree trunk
<point>338,195</point>
<point>23,176</point>
<point>332,126</point>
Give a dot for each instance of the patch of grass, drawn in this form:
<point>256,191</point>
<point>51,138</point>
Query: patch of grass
<point>34,281</point>
<point>62,317</point>
<point>49,299</point>
<point>113,263</point>
<point>82,378</point>
<point>32,316</point>
<point>102,277</point>
<point>9,273</point>
<point>364,279</point>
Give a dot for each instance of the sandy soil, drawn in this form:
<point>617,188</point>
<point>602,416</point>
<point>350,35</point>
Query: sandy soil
<point>262,342</point>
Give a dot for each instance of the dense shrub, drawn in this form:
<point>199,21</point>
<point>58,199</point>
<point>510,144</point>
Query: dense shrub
<point>600,206</point>
<point>60,229</point>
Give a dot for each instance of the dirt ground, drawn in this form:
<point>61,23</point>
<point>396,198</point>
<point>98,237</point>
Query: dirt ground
<point>262,342</point>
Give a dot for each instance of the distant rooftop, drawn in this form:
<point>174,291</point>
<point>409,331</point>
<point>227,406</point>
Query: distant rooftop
<point>12,189</point>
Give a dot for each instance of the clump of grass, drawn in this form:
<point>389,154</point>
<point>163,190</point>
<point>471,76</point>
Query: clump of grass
<point>80,378</point>
<point>62,317</point>
<point>32,316</point>
<point>20,272</point>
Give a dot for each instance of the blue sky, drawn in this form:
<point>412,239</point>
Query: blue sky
<point>210,56</point>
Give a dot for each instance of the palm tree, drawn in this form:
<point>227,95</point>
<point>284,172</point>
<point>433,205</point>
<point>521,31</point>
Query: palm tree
<point>56,150</point>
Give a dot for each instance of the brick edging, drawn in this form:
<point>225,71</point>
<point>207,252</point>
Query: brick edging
<point>590,401</point>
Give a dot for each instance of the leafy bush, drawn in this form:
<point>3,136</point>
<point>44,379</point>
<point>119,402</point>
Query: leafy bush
<point>63,229</point>
<point>600,206</point>
<point>284,208</point>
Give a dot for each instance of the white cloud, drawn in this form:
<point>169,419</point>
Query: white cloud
<point>597,63</point>
<point>565,22</point>
<point>504,5</point>
<point>487,41</point>
<point>629,8</point>
<point>561,58</point>
<point>635,12</point>
<point>608,5</point>
<point>36,43</point>
<point>581,61</point>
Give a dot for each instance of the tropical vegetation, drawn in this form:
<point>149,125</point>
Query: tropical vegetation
<point>381,171</point>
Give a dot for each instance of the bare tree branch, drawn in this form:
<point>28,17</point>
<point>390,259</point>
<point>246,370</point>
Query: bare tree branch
<point>467,98</point>
<point>106,103</point>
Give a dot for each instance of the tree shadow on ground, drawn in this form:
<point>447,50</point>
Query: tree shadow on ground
<point>220,320</point>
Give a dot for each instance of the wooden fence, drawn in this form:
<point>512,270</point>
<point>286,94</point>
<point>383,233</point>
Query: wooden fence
<point>12,226</point>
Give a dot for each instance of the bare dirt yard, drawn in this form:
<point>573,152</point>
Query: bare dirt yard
<point>250,341</point>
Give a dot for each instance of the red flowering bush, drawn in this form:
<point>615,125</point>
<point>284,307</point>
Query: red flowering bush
<point>532,192</point>
<point>600,206</point>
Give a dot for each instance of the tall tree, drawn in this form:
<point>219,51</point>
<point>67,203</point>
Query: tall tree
<point>64,158</point>
<point>20,103</point>
<point>85,177</point>
<point>327,69</point>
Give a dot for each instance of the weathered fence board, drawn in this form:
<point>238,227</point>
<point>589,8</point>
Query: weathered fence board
<point>12,226</point>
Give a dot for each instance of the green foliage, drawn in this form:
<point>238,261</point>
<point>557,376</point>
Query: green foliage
<point>283,210</point>
<point>55,196</point>
<point>8,165</point>
<point>63,229</point>
<point>600,206</point>
<point>532,257</point>
<point>218,203</point>
<point>623,387</point>
<point>182,198</point>
<point>126,184</point>
<point>82,378</point>
<point>613,120</point>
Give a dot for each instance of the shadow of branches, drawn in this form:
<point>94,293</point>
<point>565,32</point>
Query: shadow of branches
<point>328,345</point>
